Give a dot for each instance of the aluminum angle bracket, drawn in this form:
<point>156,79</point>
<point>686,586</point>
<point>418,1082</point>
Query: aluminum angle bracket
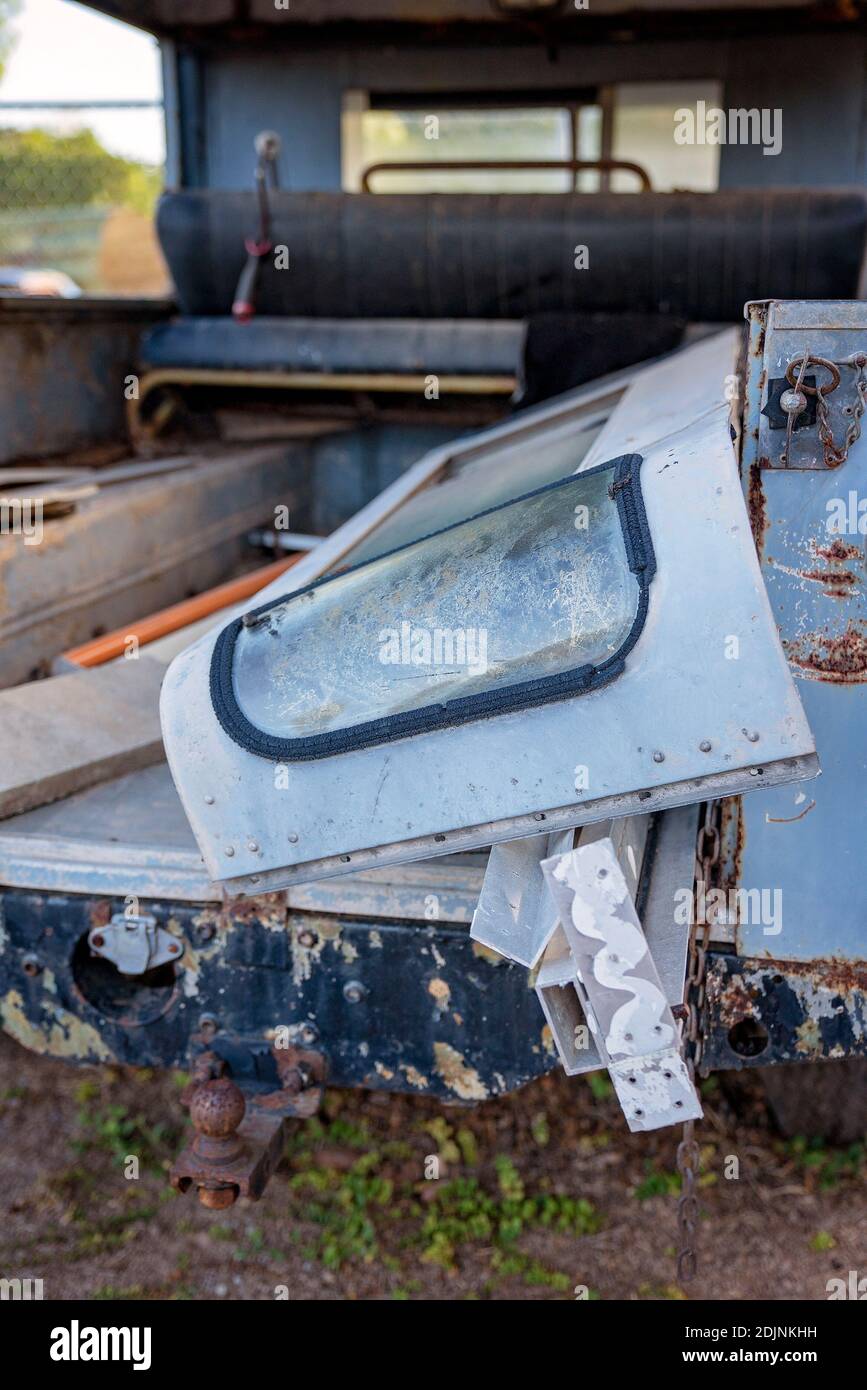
<point>601,950</point>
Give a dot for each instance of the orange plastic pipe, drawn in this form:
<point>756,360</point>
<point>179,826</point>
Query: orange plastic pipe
<point>189,610</point>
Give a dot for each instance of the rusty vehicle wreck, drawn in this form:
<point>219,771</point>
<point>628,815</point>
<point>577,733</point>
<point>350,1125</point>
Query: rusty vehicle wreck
<point>537,738</point>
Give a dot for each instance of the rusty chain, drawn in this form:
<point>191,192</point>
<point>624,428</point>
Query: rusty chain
<point>688,1154</point>
<point>834,454</point>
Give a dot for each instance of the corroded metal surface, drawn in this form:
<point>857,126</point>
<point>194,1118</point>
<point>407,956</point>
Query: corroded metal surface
<point>392,1006</point>
<point>239,1136</point>
<point>760,1012</point>
<point>804,847</point>
<point>824,655</point>
<point>231,1156</point>
<point>64,364</point>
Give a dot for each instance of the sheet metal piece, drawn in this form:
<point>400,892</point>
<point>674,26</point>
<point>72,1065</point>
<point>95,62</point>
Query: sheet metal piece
<point>636,1035</point>
<point>798,873</point>
<point>760,1012</point>
<point>515,915</point>
<point>667,873</point>
<point>685,720</point>
<point>670,875</point>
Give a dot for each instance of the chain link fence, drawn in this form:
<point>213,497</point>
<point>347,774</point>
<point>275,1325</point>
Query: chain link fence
<point>74,217</point>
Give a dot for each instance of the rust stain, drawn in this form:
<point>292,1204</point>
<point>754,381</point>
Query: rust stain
<point>759,349</point>
<point>836,579</point>
<point>837,552</point>
<point>790,820</point>
<point>733,841</point>
<point>756,505</point>
<point>840,976</point>
<point>267,908</point>
<point>829,981</point>
<point>737,1000</point>
<point>837,657</point>
<point>838,582</point>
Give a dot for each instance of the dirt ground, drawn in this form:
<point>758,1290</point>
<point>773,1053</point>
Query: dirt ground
<point>537,1195</point>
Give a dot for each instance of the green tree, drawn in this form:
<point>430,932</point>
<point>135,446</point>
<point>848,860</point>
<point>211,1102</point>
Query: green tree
<point>42,170</point>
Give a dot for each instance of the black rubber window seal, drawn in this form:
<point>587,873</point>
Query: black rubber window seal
<point>625,491</point>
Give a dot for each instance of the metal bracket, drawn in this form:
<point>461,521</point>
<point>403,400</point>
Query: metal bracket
<point>518,917</point>
<point>614,976</point>
<point>134,943</point>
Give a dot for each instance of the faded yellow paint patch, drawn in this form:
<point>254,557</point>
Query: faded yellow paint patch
<point>348,951</point>
<point>305,957</point>
<point>439,990</point>
<point>188,971</point>
<point>458,1075</point>
<point>548,1041</point>
<point>414,1077</point>
<point>49,984</point>
<point>808,1035</point>
<point>383,1071</point>
<point>190,963</point>
<point>458,1018</point>
<point>437,955</point>
<point>375,939</point>
<point>485,953</point>
<point>67,1035</point>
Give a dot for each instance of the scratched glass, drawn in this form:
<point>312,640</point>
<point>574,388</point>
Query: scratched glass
<point>536,587</point>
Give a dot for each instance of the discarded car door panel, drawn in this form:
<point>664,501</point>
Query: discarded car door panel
<point>624,659</point>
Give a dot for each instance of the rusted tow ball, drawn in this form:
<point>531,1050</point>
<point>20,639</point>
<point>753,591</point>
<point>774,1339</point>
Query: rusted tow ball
<point>216,1110</point>
<point>239,1140</point>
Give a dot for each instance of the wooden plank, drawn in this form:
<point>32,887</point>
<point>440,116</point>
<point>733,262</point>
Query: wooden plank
<point>60,735</point>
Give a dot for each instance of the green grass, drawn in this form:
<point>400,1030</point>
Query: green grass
<point>829,1166</point>
<point>361,1215</point>
<point>109,1128</point>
